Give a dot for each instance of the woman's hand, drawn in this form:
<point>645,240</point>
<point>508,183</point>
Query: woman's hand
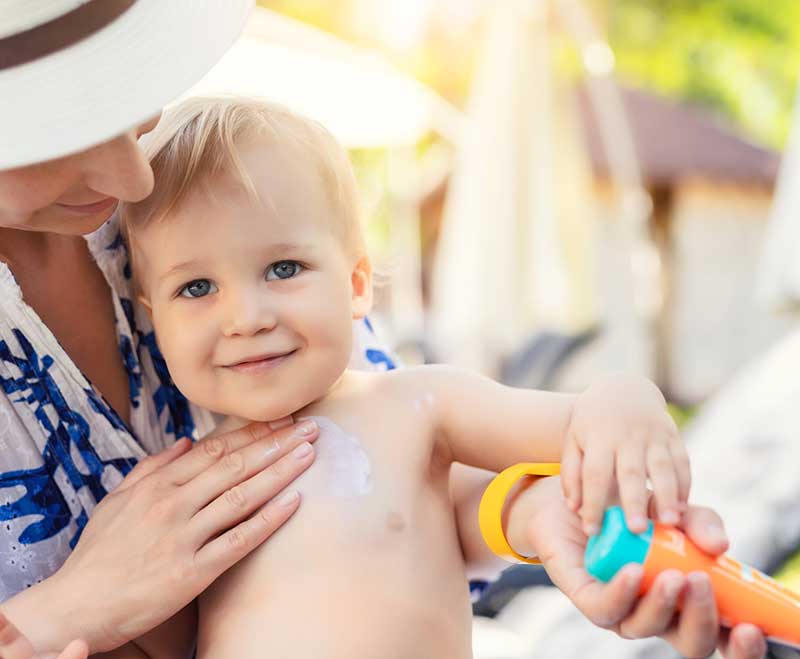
<point>554,533</point>
<point>743,642</point>
<point>175,523</point>
<point>13,645</point>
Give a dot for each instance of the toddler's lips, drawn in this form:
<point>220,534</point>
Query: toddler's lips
<point>260,363</point>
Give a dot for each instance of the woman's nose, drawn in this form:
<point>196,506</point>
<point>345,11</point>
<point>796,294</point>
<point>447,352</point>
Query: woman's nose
<point>248,313</point>
<point>119,168</point>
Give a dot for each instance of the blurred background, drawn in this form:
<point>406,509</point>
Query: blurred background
<point>554,189</point>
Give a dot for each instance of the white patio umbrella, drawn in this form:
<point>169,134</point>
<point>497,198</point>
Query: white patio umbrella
<point>779,283</point>
<point>514,255</point>
<point>354,92</point>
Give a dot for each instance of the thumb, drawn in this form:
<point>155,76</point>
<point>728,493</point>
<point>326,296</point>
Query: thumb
<point>704,527</point>
<point>13,644</point>
<point>75,650</point>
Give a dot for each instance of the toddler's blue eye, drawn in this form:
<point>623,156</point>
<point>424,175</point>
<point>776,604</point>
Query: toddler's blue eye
<point>198,288</point>
<point>283,270</point>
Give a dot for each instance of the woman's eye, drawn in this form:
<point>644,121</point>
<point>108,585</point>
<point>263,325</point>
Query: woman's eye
<point>198,288</point>
<point>283,270</point>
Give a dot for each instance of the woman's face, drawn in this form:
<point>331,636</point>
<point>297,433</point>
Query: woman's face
<point>74,195</point>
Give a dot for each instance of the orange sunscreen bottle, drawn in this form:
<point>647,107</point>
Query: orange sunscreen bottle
<point>743,594</point>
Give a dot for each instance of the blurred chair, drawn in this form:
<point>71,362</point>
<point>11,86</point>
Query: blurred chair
<point>536,364</point>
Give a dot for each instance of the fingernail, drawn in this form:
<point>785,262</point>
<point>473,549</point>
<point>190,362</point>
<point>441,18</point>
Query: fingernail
<point>288,498</point>
<point>633,575</point>
<point>671,590</point>
<point>302,451</point>
<point>637,522</point>
<point>591,529</point>
<point>306,428</point>
<point>699,584</point>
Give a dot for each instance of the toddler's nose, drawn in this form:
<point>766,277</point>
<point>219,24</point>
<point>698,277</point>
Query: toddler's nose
<point>248,314</point>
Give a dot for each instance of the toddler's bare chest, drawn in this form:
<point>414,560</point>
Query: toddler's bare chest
<point>367,479</point>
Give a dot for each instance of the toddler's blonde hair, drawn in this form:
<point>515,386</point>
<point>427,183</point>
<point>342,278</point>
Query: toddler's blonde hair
<point>199,138</point>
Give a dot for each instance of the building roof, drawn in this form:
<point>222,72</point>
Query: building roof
<point>676,140</point>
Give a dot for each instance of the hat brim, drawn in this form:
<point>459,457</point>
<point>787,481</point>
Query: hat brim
<point>114,80</point>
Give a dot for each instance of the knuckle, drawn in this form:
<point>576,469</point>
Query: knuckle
<point>238,540</point>
<point>630,472</point>
<point>278,470</point>
<point>267,515</point>
<point>214,447</point>
<point>233,463</point>
<point>671,427</point>
<point>235,498</point>
<point>254,432</point>
<point>144,463</point>
<point>659,461</point>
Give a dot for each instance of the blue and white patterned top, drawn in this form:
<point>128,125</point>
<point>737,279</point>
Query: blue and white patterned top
<point>62,448</point>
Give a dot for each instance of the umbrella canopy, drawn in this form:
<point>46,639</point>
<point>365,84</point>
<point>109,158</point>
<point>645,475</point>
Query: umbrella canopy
<point>354,92</point>
<point>779,284</point>
<point>514,255</point>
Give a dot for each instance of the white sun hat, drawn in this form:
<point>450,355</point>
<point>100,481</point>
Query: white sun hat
<point>75,73</point>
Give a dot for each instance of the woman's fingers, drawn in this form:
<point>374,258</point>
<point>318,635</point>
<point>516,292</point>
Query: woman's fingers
<point>655,611</point>
<point>214,450</point>
<point>233,545</point>
<point>607,604</point>
<point>696,633</point>
<point>745,642</point>
<point>234,469</point>
<point>149,464</point>
<point>705,529</point>
<point>241,500</point>
<point>75,650</point>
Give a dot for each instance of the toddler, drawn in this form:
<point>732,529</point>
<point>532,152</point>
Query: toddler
<point>250,259</point>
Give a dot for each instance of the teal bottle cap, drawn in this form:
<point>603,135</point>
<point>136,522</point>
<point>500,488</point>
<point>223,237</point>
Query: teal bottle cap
<point>615,546</point>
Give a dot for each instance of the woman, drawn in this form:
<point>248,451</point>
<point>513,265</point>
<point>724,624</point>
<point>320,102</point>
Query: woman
<point>102,543</point>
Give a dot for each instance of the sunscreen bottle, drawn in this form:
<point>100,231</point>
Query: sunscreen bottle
<point>743,594</point>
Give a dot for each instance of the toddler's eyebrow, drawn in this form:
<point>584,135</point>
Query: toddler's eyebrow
<point>183,265</point>
<point>291,248</point>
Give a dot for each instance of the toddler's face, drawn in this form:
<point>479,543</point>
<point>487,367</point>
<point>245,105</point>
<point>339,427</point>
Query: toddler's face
<point>253,303</point>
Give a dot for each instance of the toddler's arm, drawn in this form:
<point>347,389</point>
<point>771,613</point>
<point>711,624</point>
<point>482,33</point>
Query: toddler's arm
<point>617,430</point>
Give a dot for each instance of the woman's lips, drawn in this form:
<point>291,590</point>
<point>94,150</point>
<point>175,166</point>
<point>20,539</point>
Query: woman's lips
<point>91,209</point>
<point>259,365</point>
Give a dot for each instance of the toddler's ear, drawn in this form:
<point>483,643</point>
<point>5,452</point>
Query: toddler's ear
<point>361,285</point>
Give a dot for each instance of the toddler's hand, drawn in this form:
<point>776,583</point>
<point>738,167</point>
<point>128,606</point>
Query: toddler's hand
<point>620,427</point>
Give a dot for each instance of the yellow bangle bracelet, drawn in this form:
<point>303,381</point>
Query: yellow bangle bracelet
<point>490,513</point>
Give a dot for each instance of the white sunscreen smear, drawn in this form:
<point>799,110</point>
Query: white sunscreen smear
<point>341,467</point>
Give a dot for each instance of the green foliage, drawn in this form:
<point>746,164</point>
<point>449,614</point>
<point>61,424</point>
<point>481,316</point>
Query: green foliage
<point>739,58</point>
